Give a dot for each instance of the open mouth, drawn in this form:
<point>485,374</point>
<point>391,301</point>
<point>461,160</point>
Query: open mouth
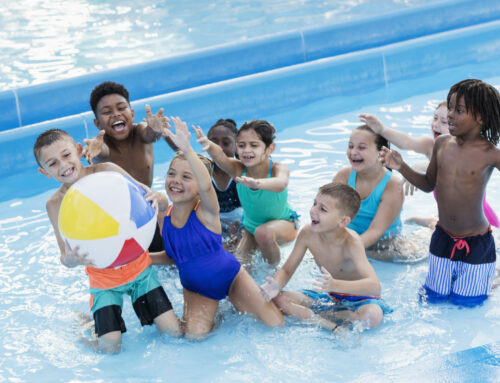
<point>118,126</point>
<point>356,161</point>
<point>68,172</point>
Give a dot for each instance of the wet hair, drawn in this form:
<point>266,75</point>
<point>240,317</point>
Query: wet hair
<point>379,140</point>
<point>105,88</point>
<point>481,100</point>
<point>264,130</point>
<point>206,161</point>
<point>226,123</point>
<point>348,199</point>
<point>47,138</point>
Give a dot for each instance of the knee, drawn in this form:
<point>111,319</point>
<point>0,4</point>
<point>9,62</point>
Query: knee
<point>110,343</point>
<point>196,330</point>
<point>263,236</point>
<point>372,316</point>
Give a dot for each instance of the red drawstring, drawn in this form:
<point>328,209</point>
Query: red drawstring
<point>460,243</point>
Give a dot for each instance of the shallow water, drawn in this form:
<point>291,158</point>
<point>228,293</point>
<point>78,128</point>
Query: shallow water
<point>41,299</point>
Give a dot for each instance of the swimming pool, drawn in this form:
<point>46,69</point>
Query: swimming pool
<point>40,297</point>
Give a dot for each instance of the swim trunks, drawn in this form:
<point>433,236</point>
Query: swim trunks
<point>342,301</point>
<point>461,269</point>
<point>261,206</point>
<point>204,266</point>
<point>369,207</point>
<point>157,242</point>
<point>148,299</point>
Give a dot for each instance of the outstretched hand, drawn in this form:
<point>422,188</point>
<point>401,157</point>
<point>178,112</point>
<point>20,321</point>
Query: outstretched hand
<point>93,147</point>
<point>158,200</point>
<point>249,182</point>
<point>372,122</point>
<point>182,136</point>
<point>270,289</point>
<point>390,158</point>
<point>73,257</point>
<point>202,139</point>
<point>158,122</point>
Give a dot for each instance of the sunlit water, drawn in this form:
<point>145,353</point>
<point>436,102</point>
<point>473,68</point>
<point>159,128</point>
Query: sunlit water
<point>40,298</point>
<point>47,40</point>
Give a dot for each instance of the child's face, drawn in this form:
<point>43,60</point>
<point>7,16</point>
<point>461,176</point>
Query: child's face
<point>325,214</point>
<point>251,149</point>
<point>440,121</point>
<point>114,116</point>
<point>223,137</point>
<point>461,122</point>
<point>180,182</point>
<point>362,151</point>
<point>61,160</point>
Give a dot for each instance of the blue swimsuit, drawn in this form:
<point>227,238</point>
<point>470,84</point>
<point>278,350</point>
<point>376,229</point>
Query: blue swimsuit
<point>369,207</point>
<point>204,266</point>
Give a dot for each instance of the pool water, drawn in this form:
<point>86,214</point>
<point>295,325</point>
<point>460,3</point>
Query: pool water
<point>41,299</point>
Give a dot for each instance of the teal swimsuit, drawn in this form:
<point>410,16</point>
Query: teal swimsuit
<point>261,206</point>
<point>369,207</point>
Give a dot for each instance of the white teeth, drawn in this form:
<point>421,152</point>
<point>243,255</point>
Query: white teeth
<point>69,171</point>
<point>118,123</point>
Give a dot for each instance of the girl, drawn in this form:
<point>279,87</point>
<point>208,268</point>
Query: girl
<point>424,145</point>
<point>381,192</point>
<point>192,237</point>
<point>223,133</point>
<point>268,220</point>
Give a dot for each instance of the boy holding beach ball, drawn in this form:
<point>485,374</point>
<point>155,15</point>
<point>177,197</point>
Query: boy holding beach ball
<point>59,156</point>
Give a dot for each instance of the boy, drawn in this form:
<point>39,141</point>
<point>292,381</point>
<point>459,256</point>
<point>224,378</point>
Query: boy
<point>121,141</point>
<point>462,250</point>
<point>58,156</point>
<point>348,287</point>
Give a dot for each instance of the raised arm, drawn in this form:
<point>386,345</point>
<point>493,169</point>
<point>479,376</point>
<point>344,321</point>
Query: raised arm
<point>426,182</point>
<point>276,183</point>
<point>231,166</point>
<point>422,144</point>
<point>155,126</point>
<point>96,148</point>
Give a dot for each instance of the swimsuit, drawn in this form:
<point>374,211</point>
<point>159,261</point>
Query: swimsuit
<point>369,207</point>
<point>229,203</point>
<point>261,206</point>
<point>137,279</point>
<point>461,269</point>
<point>204,266</point>
<point>342,301</point>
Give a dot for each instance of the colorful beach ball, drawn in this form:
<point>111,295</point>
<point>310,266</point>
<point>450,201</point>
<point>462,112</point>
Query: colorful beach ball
<point>106,215</point>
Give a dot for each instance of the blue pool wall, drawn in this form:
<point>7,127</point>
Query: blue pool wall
<point>267,75</point>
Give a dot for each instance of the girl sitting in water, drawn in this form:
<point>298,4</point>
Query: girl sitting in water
<point>268,220</point>
<point>423,145</point>
<point>192,237</point>
<point>378,221</point>
<point>223,133</point>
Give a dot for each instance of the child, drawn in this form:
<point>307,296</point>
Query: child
<point>462,251</point>
<point>223,133</point>
<point>59,157</point>
<point>192,237</point>
<point>379,218</point>
<point>348,287</point>
<point>424,145</point>
<point>121,141</point>
<point>268,220</point>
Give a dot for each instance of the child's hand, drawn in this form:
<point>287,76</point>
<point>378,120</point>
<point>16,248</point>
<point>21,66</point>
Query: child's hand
<point>93,147</point>
<point>325,282</point>
<point>73,257</point>
<point>181,136</point>
<point>249,182</point>
<point>158,122</point>
<point>390,158</point>
<point>372,121</point>
<point>202,139</point>
<point>158,200</point>
<point>270,289</point>
<point>409,187</point>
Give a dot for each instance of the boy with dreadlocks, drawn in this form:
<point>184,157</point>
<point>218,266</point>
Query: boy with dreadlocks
<point>462,250</point>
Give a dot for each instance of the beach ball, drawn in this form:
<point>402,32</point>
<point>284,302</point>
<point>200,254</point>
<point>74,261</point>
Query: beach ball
<point>106,215</point>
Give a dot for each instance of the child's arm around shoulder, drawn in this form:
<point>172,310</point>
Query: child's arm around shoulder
<point>273,286</point>
<point>367,283</point>
<point>276,183</point>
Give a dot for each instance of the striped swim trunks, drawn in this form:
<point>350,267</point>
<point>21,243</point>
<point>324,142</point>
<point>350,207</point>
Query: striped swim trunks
<point>461,269</point>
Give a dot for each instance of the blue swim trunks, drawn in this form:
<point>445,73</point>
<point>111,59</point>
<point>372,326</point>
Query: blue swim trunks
<point>340,301</point>
<point>461,270</point>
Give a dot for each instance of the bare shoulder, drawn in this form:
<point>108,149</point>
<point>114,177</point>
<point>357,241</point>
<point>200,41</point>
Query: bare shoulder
<point>279,168</point>
<point>342,175</point>
<point>353,244</point>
